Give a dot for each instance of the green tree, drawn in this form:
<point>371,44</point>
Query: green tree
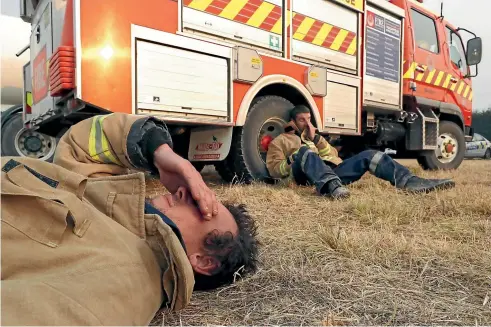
<point>481,122</point>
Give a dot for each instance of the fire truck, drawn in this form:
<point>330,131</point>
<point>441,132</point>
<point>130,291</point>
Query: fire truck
<point>223,75</point>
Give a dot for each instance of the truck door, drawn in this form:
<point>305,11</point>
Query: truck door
<point>429,62</point>
<point>459,90</point>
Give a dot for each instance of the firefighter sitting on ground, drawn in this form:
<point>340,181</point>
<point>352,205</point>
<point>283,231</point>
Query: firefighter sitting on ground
<point>305,156</point>
<point>81,244</point>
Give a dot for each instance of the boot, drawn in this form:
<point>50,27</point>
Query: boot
<point>421,185</point>
<point>334,189</point>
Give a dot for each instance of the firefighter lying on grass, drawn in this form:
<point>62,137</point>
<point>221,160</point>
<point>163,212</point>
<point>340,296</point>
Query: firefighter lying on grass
<point>305,156</point>
<point>95,251</point>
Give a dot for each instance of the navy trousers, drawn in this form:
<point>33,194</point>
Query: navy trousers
<point>309,168</point>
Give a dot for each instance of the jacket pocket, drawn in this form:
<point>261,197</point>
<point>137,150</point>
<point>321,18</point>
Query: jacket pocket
<point>39,219</point>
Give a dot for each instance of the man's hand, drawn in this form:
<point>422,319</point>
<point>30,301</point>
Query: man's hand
<point>311,130</point>
<point>176,171</point>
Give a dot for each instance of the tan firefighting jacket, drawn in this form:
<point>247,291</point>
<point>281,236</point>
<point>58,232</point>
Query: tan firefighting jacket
<point>279,158</point>
<point>81,251</point>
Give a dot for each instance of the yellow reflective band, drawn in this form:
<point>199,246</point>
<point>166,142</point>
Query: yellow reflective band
<point>430,76</point>
<point>304,28</point>
<point>466,92</point>
<point>29,99</point>
<point>260,14</point>
<point>339,40</point>
<point>324,152</point>
<point>439,78</point>
<point>200,5</point>
<point>322,34</point>
<point>410,71</point>
<point>233,8</point>
<point>461,87</point>
<point>283,170</point>
<point>447,81</point>
<point>99,148</point>
<point>352,47</point>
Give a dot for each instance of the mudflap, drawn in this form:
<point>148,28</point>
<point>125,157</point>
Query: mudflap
<point>209,143</point>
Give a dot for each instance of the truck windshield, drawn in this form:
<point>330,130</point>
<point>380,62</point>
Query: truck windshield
<point>457,51</point>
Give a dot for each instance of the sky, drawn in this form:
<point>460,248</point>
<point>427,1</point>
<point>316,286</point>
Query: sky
<point>470,14</point>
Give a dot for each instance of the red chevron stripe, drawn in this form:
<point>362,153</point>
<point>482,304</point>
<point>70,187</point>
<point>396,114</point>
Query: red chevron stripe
<point>248,10</point>
<point>217,6</point>
<point>297,20</point>
<point>272,18</point>
<point>347,42</point>
<point>187,2</point>
<point>331,37</point>
<point>312,33</point>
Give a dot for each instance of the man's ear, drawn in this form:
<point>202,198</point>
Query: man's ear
<point>203,264</point>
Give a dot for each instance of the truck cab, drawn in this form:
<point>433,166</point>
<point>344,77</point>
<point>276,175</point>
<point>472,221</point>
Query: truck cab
<point>437,78</point>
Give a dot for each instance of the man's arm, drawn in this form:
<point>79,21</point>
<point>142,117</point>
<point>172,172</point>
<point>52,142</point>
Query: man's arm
<point>325,149</point>
<point>279,166</point>
<point>112,144</point>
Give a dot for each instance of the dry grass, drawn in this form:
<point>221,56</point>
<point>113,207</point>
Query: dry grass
<point>381,257</point>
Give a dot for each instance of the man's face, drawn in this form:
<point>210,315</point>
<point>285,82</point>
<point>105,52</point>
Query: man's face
<point>183,211</point>
<point>302,120</point>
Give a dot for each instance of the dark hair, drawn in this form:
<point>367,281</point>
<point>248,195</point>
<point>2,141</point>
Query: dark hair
<point>300,109</point>
<point>237,255</point>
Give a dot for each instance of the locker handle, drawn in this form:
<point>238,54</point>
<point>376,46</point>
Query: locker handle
<point>420,69</point>
<point>454,80</point>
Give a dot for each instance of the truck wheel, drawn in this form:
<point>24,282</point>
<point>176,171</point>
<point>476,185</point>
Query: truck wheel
<point>265,121</point>
<point>487,155</point>
<point>451,149</point>
<point>198,165</point>
<point>225,170</point>
<point>23,142</point>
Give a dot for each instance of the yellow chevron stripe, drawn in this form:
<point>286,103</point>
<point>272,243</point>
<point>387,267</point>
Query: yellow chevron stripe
<point>453,86</point>
<point>461,87</point>
<point>304,28</point>
<point>353,46</point>
<point>200,4</point>
<point>322,34</point>
<point>410,71</point>
<point>471,95</point>
<point>233,8</point>
<point>260,14</point>
<point>447,81</point>
<point>430,76</point>
<point>421,75</point>
<point>338,41</point>
<point>466,92</point>
<point>439,78</point>
<point>278,26</point>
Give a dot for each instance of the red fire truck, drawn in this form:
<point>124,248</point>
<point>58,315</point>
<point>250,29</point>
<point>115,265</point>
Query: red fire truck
<point>223,75</point>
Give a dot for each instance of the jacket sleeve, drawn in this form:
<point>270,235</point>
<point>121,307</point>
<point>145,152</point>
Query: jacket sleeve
<point>279,166</point>
<point>325,149</point>
<point>112,144</point>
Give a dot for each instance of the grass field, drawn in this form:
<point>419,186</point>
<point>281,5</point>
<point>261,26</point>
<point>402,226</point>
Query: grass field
<point>381,257</point>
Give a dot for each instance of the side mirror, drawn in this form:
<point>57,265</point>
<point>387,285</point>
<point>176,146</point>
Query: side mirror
<point>474,51</point>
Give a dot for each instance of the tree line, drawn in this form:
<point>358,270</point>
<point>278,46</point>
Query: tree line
<point>481,122</point>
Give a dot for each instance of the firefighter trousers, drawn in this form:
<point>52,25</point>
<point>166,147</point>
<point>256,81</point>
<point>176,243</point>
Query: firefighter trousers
<point>309,168</point>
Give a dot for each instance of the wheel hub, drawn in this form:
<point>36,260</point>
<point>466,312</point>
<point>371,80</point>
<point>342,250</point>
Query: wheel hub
<point>447,148</point>
<point>268,132</point>
<point>33,144</point>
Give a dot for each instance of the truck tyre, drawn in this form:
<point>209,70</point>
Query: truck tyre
<point>19,141</point>
<point>451,149</point>
<point>198,165</point>
<point>266,119</point>
<point>226,170</point>
<point>487,155</point>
